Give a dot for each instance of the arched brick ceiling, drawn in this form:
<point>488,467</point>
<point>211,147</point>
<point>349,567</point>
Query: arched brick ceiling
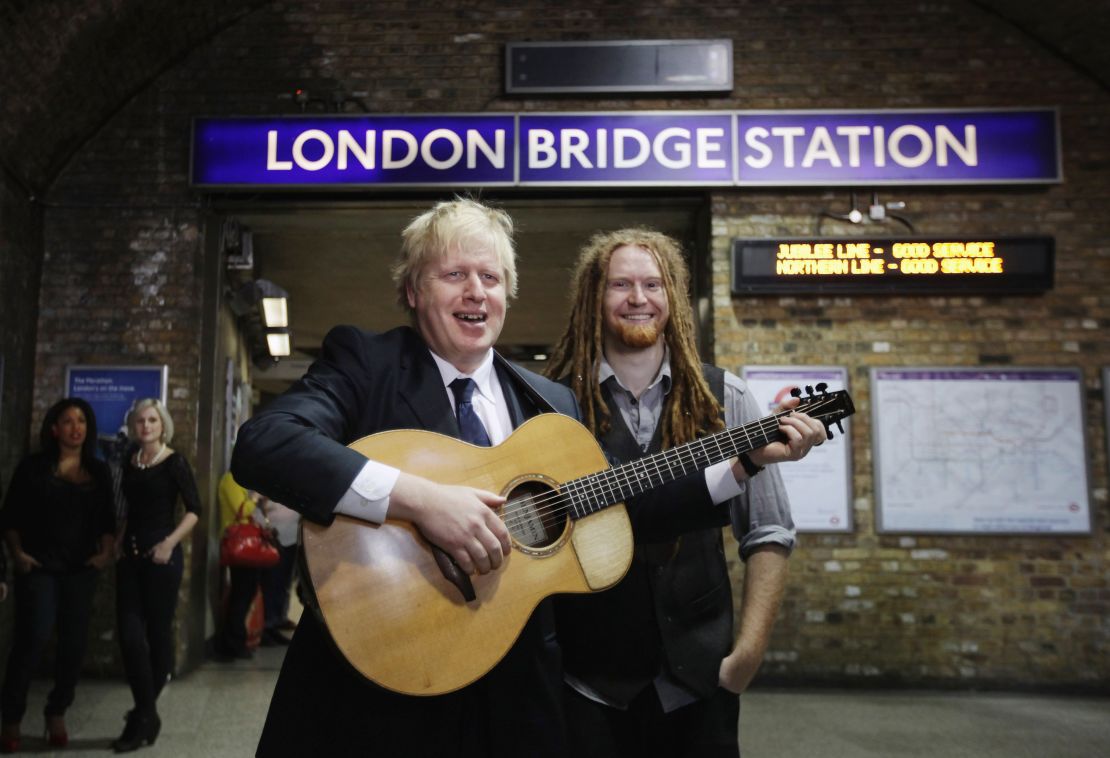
<point>1073,29</point>
<point>68,65</point>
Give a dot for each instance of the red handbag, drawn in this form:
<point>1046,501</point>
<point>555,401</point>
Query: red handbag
<point>248,545</point>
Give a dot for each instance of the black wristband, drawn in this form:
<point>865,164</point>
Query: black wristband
<point>749,465</point>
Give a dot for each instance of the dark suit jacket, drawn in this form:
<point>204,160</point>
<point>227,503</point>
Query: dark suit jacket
<point>294,451</point>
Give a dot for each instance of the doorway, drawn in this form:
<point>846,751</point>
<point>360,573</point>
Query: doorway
<point>334,261</point>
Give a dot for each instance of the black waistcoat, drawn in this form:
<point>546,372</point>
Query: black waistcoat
<point>672,610</point>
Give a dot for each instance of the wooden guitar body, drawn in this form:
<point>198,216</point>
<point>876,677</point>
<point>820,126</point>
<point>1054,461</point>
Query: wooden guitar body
<point>402,623</point>
<point>386,603</point>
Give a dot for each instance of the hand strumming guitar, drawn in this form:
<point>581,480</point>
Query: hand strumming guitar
<point>459,519</point>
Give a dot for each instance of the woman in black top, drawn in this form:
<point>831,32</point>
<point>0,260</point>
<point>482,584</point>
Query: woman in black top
<point>59,524</point>
<point>148,575</point>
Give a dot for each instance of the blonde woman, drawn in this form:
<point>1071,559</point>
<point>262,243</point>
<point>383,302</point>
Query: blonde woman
<point>148,576</point>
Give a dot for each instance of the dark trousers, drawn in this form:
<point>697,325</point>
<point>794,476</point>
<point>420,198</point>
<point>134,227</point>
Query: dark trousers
<point>322,706</point>
<point>43,601</point>
<point>276,583</point>
<point>241,592</point>
<point>146,598</point>
<point>708,728</point>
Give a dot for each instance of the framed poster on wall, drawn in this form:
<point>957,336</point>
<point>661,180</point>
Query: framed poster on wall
<point>111,390</point>
<point>819,485</point>
<point>980,450</point>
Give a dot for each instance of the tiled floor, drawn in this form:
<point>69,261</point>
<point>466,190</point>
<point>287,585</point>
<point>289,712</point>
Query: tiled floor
<point>917,724</point>
<point>218,710</point>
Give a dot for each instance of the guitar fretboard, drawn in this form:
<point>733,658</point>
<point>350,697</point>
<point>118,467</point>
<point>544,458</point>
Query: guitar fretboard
<point>590,494</point>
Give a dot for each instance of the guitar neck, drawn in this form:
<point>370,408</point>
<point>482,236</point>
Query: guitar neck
<point>590,494</point>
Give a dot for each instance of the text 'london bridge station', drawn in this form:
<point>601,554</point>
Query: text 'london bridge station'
<point>575,149</point>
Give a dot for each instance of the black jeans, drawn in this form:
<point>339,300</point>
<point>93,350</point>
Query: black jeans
<point>702,729</point>
<point>146,598</point>
<point>44,600</point>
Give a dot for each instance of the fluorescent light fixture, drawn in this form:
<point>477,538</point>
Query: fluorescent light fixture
<point>275,312</point>
<point>279,344</point>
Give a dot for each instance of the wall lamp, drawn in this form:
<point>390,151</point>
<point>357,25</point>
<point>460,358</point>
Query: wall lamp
<point>263,308</point>
<point>279,342</point>
<point>275,310</point>
<point>270,301</point>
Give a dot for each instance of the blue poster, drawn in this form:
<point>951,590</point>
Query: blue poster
<point>111,390</point>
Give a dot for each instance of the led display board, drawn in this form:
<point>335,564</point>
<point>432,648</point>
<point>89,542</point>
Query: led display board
<point>907,265</point>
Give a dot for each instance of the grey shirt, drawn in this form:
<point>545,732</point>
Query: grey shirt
<point>760,514</point>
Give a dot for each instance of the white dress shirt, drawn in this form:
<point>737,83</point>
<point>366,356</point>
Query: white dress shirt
<point>368,496</point>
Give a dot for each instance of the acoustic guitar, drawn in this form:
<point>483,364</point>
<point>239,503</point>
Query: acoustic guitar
<point>392,605</point>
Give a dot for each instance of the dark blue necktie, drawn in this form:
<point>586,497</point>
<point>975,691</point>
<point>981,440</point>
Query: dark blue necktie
<point>469,423</point>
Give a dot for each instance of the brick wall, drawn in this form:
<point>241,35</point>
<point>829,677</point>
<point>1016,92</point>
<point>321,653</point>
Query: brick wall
<point>988,611</point>
<point>121,288</point>
<point>123,257</point>
<point>20,267</point>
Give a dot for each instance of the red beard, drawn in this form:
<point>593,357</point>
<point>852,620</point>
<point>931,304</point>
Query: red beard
<point>637,335</point>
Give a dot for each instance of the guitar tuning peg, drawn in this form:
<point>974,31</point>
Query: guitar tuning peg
<point>821,387</point>
<point>828,433</point>
<point>809,390</point>
<point>838,426</point>
<point>795,392</point>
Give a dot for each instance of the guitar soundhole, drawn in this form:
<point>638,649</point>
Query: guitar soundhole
<point>535,514</point>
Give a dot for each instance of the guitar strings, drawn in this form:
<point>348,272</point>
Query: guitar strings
<point>609,479</point>
<point>551,507</point>
<point>601,485</point>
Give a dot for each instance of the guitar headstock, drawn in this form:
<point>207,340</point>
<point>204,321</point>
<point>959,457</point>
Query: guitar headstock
<point>827,407</point>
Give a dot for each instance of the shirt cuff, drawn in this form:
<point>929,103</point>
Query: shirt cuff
<point>767,535</point>
<point>721,483</point>
<point>368,496</point>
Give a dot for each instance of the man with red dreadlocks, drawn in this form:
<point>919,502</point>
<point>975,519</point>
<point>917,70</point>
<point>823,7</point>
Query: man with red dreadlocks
<point>651,666</point>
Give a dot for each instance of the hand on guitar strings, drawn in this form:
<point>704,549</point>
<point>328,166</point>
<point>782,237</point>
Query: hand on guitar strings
<point>461,520</point>
<point>802,434</point>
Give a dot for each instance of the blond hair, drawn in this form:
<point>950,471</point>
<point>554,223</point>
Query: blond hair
<point>453,224</point>
<point>150,402</point>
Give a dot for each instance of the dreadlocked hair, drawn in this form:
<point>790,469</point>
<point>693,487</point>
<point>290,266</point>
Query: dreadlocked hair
<point>692,409</point>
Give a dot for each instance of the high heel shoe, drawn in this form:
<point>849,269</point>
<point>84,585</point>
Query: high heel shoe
<point>56,735</point>
<point>141,728</point>
<point>10,738</point>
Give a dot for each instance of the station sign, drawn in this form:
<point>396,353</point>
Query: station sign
<point>633,148</point>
